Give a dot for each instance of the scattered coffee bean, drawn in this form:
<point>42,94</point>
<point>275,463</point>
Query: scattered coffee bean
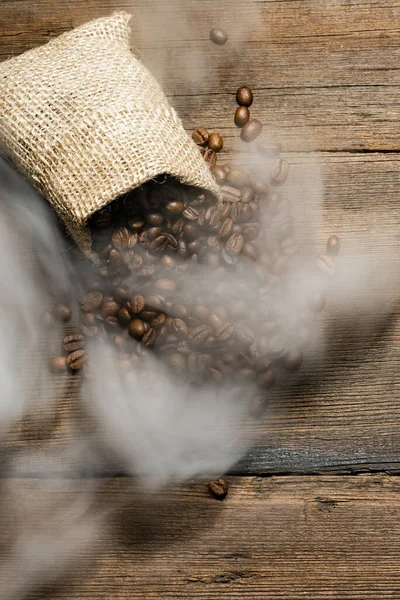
<point>200,136</point>
<point>73,342</point>
<point>235,243</point>
<point>251,131</point>
<point>280,170</point>
<point>218,36</point>
<point>210,157</point>
<point>333,245</point>
<point>244,96</point>
<point>218,488</point>
<point>215,142</point>
<point>62,312</point>
<point>238,178</point>
<point>242,116</point>
<point>76,360</point>
<point>137,329</point>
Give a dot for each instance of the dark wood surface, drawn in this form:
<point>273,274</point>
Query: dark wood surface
<point>325,75</point>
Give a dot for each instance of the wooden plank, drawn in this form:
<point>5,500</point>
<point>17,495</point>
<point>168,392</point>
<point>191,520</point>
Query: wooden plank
<point>325,75</point>
<point>290,538</point>
<point>341,414</point>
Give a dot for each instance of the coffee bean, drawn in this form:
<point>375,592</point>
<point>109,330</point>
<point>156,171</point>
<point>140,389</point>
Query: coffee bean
<point>174,208</point>
<point>279,171</point>
<point>110,308</point>
<point>242,116</point>
<point>219,173</point>
<point>250,251</point>
<point>155,219</point>
<point>58,364</point>
<point>271,150</point>
<point>124,316</point>
<point>76,360</point>
<point>201,312</point>
<point>159,243</point>
<point>218,488</point>
<point>251,131</point>
<point>244,335</point>
<point>154,302</point>
<point>168,262</point>
<point>210,157</point>
<point>333,245</point>
<point>73,342</point>
<point>223,332</point>
<point>235,243</point>
<point>190,233</point>
<point>114,262</point>
<point>190,213</point>
<point>293,359</point>
<point>247,195</point>
<point>226,229</point>
<point>136,223</point>
<point>62,312</point>
<point>177,361</point>
<point>238,178</point>
<point>266,379</point>
<point>148,337</point>
<point>326,264</point>
<point>165,284</point>
<point>289,246</point>
<point>218,36</point>
<point>137,304</point>
<point>111,322</point>
<point>102,219</point>
<point>198,335</point>
<point>137,329</point>
<point>179,328</point>
<point>200,136</point>
<point>244,96</point>
<point>250,231</point>
<point>158,321</point>
<point>178,311</point>
<point>120,238</point>
<point>215,142</point>
<point>258,405</point>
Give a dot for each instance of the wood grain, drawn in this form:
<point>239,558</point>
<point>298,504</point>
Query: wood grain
<point>291,538</point>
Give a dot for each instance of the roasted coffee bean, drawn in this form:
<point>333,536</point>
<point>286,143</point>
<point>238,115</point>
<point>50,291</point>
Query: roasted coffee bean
<point>218,36</point>
<point>247,195</point>
<point>215,142</point>
<point>114,262</point>
<point>242,116</point>
<point>261,189</point>
<point>266,379</point>
<point>62,312</point>
<point>228,258</point>
<point>213,216</point>
<point>168,262</point>
<point>317,301</point>
<point>289,246</point>
<point>190,213</point>
<point>250,231</point>
<point>235,243</point>
<point>177,227</point>
<point>58,364</point>
<point>158,321</point>
<point>272,150</point>
<point>194,247</point>
<point>230,194</point>
<point>73,342</point>
<point>154,302</point>
<point>165,284</point>
<point>137,304</point>
<point>333,245</point>
<point>136,223</point>
<point>250,251</point>
<point>148,315</point>
<point>159,243</point>
<point>120,238</point>
<point>177,361</point>
<point>244,335</point>
<point>120,342</point>
<point>174,208</point>
<point>155,219</point>
<point>89,319</point>
<point>251,131</point>
<point>244,96</point>
<point>76,360</point>
<point>198,335</point>
<point>276,346</point>
<point>124,316</point>
<point>110,308</point>
<point>218,488</point>
<point>148,337</point>
<point>179,328</point>
<point>137,329</point>
<point>224,332</point>
<point>190,233</point>
<point>226,229</point>
<point>111,322</point>
<point>210,156</point>
<point>238,178</point>
<point>200,136</point>
<point>258,405</point>
<point>178,311</point>
<point>121,293</point>
<point>326,264</point>
<point>279,171</point>
<point>219,173</point>
<point>215,375</point>
<point>293,359</point>
<point>201,312</point>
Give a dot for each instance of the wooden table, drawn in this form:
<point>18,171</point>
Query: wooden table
<point>312,510</point>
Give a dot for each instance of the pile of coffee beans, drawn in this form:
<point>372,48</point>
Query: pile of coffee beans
<point>197,282</point>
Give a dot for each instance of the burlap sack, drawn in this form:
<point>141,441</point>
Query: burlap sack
<point>86,122</point>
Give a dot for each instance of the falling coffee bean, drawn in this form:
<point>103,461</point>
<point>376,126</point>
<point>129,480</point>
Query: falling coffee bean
<point>244,96</point>
<point>279,171</point>
<point>333,245</point>
<point>76,360</point>
<point>73,342</point>
<point>251,131</point>
<point>215,142</point>
<point>242,116</point>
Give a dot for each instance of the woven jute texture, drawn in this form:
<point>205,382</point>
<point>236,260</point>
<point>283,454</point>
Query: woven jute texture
<point>86,122</point>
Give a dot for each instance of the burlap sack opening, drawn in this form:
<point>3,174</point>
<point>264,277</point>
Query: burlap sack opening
<point>86,122</point>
